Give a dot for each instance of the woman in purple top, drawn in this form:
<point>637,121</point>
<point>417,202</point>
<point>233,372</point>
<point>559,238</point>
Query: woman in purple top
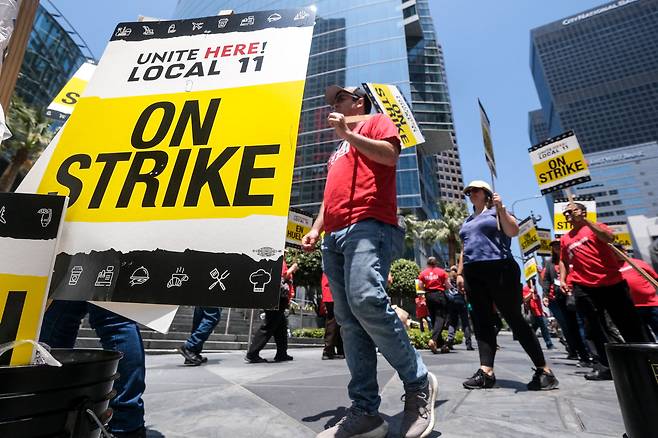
<point>492,280</point>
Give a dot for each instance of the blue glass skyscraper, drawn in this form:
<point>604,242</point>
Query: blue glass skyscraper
<point>359,41</point>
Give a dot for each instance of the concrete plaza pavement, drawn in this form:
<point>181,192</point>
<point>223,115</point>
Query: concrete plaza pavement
<point>229,398</point>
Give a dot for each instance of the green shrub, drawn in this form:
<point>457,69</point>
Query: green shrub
<point>317,333</point>
<point>419,339</point>
<point>404,273</point>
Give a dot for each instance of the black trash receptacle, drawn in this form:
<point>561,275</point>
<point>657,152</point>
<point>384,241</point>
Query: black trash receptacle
<point>36,399</point>
<point>635,372</point>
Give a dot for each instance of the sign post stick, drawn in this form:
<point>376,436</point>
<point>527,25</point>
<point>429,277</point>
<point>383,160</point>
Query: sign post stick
<point>621,254</point>
<point>493,186</point>
<point>228,321</point>
<point>251,326</point>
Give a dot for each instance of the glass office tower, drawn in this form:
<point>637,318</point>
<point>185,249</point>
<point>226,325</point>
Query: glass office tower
<point>54,52</point>
<point>355,41</point>
<point>597,73</point>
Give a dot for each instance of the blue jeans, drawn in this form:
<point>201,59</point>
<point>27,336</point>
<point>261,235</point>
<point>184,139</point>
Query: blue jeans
<point>356,260</point>
<point>204,322</point>
<point>60,329</point>
<point>540,322</point>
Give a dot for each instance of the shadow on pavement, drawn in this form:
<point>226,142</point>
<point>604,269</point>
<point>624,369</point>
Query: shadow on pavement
<point>512,384</point>
<point>334,416</point>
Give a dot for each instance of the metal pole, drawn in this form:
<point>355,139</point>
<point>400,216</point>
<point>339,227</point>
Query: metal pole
<point>251,325</point>
<point>228,321</point>
<point>301,314</point>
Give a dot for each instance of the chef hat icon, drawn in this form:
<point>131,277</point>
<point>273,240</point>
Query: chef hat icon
<point>259,279</point>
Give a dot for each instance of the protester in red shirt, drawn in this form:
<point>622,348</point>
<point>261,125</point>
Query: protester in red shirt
<point>359,218</point>
<point>642,291</point>
<point>533,304</point>
<point>333,343</point>
<point>275,322</point>
<point>434,281</point>
<point>421,310</point>
<point>597,284</point>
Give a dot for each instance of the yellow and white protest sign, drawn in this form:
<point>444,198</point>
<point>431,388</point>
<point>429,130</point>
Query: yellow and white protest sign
<point>62,105</point>
<point>486,138</point>
<point>622,235</point>
<point>562,226</point>
<point>530,268</point>
<point>559,163</point>
<point>29,229</point>
<point>388,99</point>
<point>178,161</point>
<point>528,237</point>
<point>544,242</point>
<point>299,223</point>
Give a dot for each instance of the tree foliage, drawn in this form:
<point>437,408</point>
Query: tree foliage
<point>310,266</point>
<point>404,273</point>
<point>30,135</point>
<point>446,229</point>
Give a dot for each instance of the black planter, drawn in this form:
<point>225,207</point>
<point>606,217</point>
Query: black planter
<point>635,372</point>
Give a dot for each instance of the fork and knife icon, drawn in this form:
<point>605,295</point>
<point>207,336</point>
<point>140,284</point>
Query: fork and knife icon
<point>215,275</point>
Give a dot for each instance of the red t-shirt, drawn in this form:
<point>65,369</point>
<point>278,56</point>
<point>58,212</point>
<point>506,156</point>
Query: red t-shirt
<point>288,280</point>
<point>326,292</point>
<point>642,292</point>
<point>534,304</point>
<point>433,279</point>
<point>358,188</point>
<point>593,263</point>
<point>421,307</point>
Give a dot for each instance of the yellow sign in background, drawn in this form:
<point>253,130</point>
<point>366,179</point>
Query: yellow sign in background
<point>96,151</point>
<point>30,316</point>
<point>560,222</point>
<point>544,242</point>
<point>530,268</point>
<point>390,101</point>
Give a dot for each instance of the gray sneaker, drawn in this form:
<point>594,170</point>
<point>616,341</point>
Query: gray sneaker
<point>418,420</point>
<point>356,425</point>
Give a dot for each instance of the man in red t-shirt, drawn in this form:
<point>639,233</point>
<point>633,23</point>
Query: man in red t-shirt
<point>434,281</point>
<point>358,216</point>
<point>643,292</point>
<point>597,284</point>
<point>532,303</point>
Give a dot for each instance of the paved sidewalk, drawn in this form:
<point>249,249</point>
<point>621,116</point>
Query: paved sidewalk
<point>228,398</point>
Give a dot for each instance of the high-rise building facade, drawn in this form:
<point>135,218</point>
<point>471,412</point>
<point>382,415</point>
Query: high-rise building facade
<point>596,73</point>
<point>53,54</point>
<point>624,182</point>
<point>355,41</point>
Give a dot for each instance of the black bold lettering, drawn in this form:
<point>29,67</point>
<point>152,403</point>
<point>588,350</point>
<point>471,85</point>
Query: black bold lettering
<point>137,138</point>
<point>191,115</point>
<point>110,161</point>
<point>153,72</point>
<point>11,320</point>
<point>209,174</point>
<point>171,195</point>
<point>249,172</point>
<point>135,176</point>
<point>71,98</point>
<point>69,181</point>
<point>195,70</point>
<point>133,73</point>
<point>170,75</point>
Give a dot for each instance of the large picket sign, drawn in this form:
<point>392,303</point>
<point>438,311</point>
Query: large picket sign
<point>528,237</point>
<point>62,105</point>
<point>559,163</point>
<point>486,138</point>
<point>622,234</point>
<point>299,223</point>
<point>388,100</point>
<point>178,162</point>
<point>544,242</point>
<point>29,228</point>
<point>562,226</point>
<point>530,269</point>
